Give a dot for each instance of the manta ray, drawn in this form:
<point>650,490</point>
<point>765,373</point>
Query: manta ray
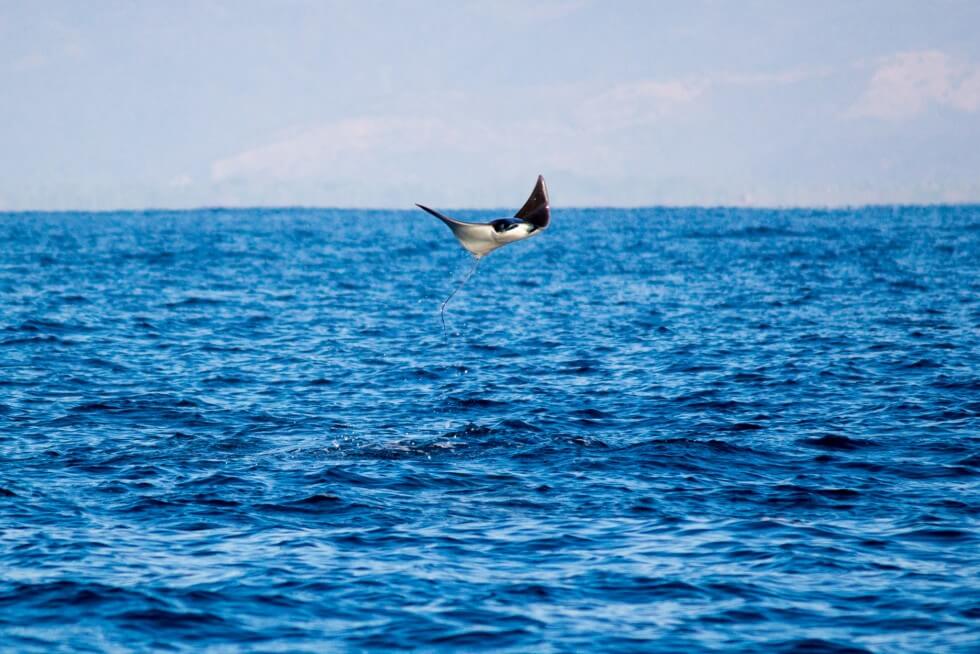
<point>481,239</point>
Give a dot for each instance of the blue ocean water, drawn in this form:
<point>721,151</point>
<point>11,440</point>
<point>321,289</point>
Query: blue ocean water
<point>699,430</point>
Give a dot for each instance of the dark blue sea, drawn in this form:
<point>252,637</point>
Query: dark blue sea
<point>655,430</point>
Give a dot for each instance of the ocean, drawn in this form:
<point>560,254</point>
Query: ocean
<point>647,430</point>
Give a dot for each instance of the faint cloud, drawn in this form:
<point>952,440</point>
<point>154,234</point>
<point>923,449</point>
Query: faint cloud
<point>180,181</point>
<point>28,63</point>
<point>905,84</point>
<point>778,78</point>
<point>646,102</point>
<point>523,13</point>
<point>70,49</point>
<point>333,148</point>
<point>576,140</point>
<point>638,103</point>
<point>966,96</point>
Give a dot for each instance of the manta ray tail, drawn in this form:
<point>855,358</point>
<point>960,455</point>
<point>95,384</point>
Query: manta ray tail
<point>442,308</point>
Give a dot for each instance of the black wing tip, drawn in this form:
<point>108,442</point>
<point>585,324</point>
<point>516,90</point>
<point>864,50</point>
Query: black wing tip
<point>541,189</point>
<point>537,209</point>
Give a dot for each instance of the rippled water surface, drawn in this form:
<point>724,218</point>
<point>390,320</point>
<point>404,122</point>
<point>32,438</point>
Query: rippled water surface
<point>651,430</point>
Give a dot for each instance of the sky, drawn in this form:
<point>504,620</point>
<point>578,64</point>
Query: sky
<point>114,105</point>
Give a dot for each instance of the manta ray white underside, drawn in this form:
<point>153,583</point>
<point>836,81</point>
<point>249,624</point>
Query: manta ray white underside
<point>483,238</point>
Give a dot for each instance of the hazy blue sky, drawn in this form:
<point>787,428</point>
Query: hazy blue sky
<point>176,104</point>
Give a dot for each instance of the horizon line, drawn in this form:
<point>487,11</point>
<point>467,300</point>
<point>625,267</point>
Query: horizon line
<point>300,207</point>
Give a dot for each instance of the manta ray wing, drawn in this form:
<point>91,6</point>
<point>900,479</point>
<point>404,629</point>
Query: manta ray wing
<point>536,210</point>
<point>444,218</point>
